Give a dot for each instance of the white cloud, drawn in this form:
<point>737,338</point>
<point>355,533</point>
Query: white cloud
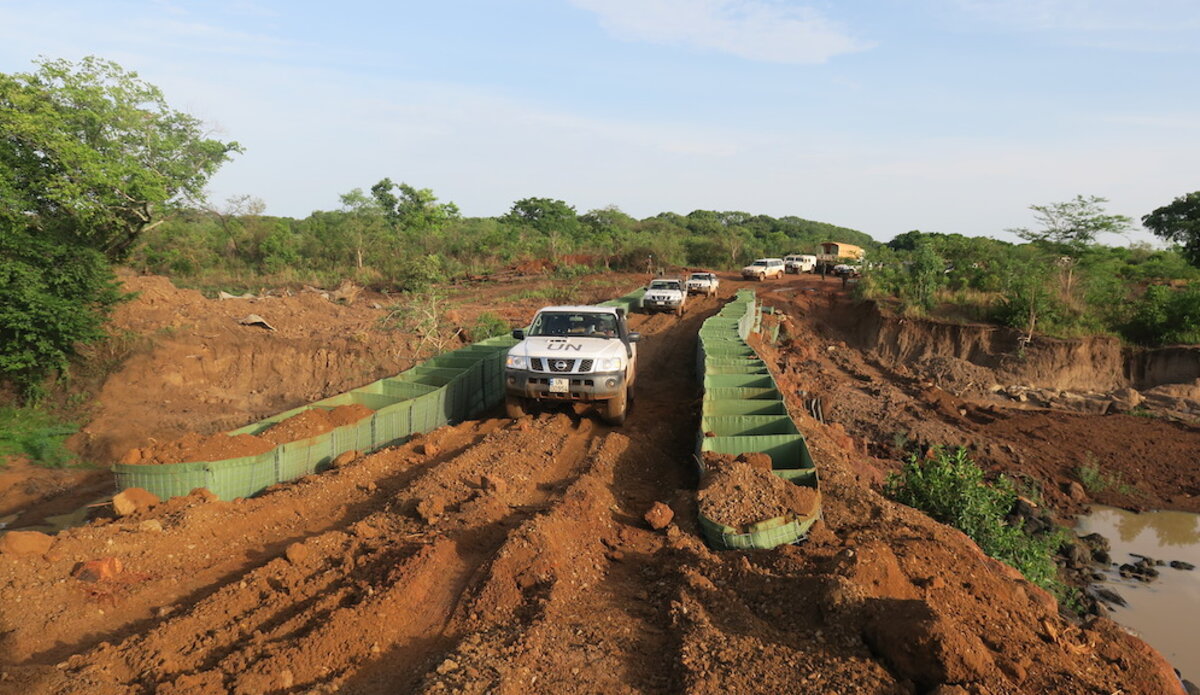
<point>761,30</point>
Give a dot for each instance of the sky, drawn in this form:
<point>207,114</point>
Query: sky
<point>879,115</point>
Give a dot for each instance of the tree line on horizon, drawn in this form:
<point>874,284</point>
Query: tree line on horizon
<point>397,238</point>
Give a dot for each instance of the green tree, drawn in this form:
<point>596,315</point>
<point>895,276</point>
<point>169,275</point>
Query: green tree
<point>94,156</point>
<point>1070,226</point>
<point>1179,222</point>
<point>364,224</point>
<point>91,157</point>
<point>552,219</point>
<point>926,273</point>
<point>413,210</point>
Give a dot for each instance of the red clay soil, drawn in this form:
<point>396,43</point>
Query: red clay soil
<point>313,422</point>
<point>218,447</point>
<point>738,494</point>
<point>888,411</point>
<point>532,570</point>
<point>195,447</point>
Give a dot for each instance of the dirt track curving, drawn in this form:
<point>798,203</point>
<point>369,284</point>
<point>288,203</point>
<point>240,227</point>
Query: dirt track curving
<point>510,557</point>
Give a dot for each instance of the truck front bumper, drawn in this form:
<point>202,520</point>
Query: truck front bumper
<point>663,305</point>
<point>598,386</point>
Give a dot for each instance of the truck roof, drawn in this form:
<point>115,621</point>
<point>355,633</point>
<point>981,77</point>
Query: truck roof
<point>581,308</point>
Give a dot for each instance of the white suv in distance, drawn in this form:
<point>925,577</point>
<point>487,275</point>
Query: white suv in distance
<point>799,263</point>
<point>665,294</point>
<point>763,268</point>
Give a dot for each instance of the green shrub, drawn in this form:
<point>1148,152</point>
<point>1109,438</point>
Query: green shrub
<point>1165,316</point>
<point>488,325</point>
<point>951,489</point>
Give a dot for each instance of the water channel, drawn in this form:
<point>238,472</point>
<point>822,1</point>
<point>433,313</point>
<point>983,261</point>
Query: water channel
<point>1165,612</point>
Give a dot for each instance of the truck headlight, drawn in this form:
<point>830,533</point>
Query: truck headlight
<point>515,362</point>
<point>611,364</point>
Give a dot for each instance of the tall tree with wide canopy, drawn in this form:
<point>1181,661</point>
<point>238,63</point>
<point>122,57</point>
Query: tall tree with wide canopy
<point>1179,222</point>
<point>91,157</point>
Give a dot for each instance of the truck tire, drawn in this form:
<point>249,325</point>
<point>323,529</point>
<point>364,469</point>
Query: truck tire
<point>614,409</point>
<point>515,407</point>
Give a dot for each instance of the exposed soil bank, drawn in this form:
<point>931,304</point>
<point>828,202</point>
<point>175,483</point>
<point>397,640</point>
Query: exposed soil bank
<point>1096,363</point>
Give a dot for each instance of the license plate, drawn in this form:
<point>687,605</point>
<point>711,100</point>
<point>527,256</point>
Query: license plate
<point>661,303</point>
<point>560,385</point>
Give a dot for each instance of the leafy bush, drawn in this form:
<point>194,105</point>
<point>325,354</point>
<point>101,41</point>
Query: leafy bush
<point>53,298</point>
<point>1165,316</point>
<point>488,325</point>
<point>951,489</point>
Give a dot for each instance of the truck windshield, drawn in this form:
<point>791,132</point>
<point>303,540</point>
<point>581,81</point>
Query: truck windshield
<point>664,285</point>
<point>698,276</point>
<point>559,323</point>
<point>759,263</point>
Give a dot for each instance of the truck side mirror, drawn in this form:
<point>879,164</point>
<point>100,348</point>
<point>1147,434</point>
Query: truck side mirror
<point>634,337</point>
<point>518,334</point>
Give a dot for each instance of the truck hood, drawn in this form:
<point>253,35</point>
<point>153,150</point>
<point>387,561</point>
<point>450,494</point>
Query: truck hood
<point>570,347</point>
<point>659,295</point>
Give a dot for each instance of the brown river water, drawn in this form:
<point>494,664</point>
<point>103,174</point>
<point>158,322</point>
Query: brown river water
<point>1166,612</point>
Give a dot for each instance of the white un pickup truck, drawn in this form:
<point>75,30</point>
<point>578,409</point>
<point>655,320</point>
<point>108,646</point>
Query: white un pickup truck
<point>573,353</point>
<point>702,283</point>
<point>665,294</point>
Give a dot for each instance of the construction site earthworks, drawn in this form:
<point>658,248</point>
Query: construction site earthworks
<point>555,553</point>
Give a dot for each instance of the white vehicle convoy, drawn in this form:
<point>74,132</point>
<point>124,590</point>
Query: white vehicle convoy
<point>665,294</point>
<point>573,353</point>
<point>703,283</point>
<point>799,263</point>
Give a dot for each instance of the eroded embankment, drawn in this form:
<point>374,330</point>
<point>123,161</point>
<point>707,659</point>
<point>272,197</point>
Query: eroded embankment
<point>1095,363</point>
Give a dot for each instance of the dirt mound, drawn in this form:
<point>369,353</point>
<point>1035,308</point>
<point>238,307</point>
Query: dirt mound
<point>955,375</point>
<point>197,447</point>
<point>314,421</point>
<point>738,494</point>
<point>218,447</point>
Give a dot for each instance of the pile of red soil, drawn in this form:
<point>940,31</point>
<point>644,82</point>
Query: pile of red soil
<point>218,447</point>
<point>195,447</point>
<point>313,422</point>
<point>738,494</point>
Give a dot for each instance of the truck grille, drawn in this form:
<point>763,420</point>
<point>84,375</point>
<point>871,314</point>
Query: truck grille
<point>559,366</point>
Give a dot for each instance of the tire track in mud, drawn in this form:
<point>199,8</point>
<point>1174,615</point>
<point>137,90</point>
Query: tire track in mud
<point>539,533</point>
<point>202,546</point>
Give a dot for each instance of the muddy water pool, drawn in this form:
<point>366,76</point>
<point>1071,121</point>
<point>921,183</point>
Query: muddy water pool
<point>1165,612</point>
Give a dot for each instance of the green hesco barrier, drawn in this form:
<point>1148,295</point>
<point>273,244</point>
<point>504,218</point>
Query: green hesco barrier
<point>747,368</point>
<point>452,386</point>
<point>744,412</point>
<point>744,381</point>
<point>763,535</point>
<point>715,408</point>
<point>787,451</point>
<point>743,425</point>
<point>749,394</point>
<point>170,480</point>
